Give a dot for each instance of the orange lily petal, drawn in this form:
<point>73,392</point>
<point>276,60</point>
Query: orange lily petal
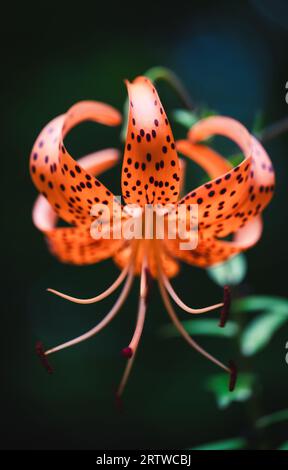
<point>212,162</point>
<point>169,266</point>
<point>74,244</point>
<point>150,172</point>
<point>67,186</point>
<point>182,166</point>
<point>229,202</point>
<point>213,251</point>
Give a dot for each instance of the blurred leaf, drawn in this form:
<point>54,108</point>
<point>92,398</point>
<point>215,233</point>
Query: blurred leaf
<point>236,159</point>
<point>260,331</point>
<point>189,118</point>
<point>258,124</point>
<point>283,446</point>
<point>256,303</point>
<point>208,327</point>
<point>227,444</point>
<point>218,384</point>
<point>185,118</point>
<point>207,112</point>
<point>274,418</point>
<point>232,272</point>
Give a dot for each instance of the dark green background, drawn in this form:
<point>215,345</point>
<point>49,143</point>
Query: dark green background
<point>231,56</point>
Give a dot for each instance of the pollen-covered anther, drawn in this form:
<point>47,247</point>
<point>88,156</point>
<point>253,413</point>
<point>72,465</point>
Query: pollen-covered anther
<point>127,352</point>
<point>233,376</point>
<point>43,358</point>
<point>226,306</point>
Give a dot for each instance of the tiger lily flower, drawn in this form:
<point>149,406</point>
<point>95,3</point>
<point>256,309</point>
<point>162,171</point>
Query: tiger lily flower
<point>229,204</point>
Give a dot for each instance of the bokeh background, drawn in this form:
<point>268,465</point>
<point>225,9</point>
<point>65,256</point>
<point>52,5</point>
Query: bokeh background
<point>232,56</point>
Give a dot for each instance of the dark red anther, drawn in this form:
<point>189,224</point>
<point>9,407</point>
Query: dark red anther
<point>127,352</point>
<point>233,376</point>
<point>226,307</point>
<point>43,358</point>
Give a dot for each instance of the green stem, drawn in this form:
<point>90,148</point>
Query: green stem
<point>156,74</point>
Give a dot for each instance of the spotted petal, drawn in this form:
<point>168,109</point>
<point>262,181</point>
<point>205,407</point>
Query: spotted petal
<point>213,250</point>
<point>75,244</point>
<point>150,172</point>
<point>228,202</point>
<point>68,187</point>
<point>231,202</point>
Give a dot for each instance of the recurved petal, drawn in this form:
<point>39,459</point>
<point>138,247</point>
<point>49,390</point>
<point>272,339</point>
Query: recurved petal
<point>69,188</point>
<point>212,162</point>
<point>75,244</point>
<point>212,250</point>
<point>229,201</point>
<point>150,172</point>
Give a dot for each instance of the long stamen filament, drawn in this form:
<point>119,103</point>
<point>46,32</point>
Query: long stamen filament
<point>182,330</point>
<point>130,351</point>
<point>181,304</point>
<point>99,297</point>
<point>116,307</point>
<point>133,345</point>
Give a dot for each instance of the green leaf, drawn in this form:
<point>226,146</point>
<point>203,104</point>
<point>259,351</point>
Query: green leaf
<point>218,384</point>
<point>260,330</point>
<point>258,124</point>
<point>274,418</point>
<point>283,446</point>
<point>185,118</point>
<point>208,327</point>
<point>236,159</point>
<point>207,112</point>
<point>189,118</point>
<point>227,444</point>
<point>257,303</point>
<point>232,272</point>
